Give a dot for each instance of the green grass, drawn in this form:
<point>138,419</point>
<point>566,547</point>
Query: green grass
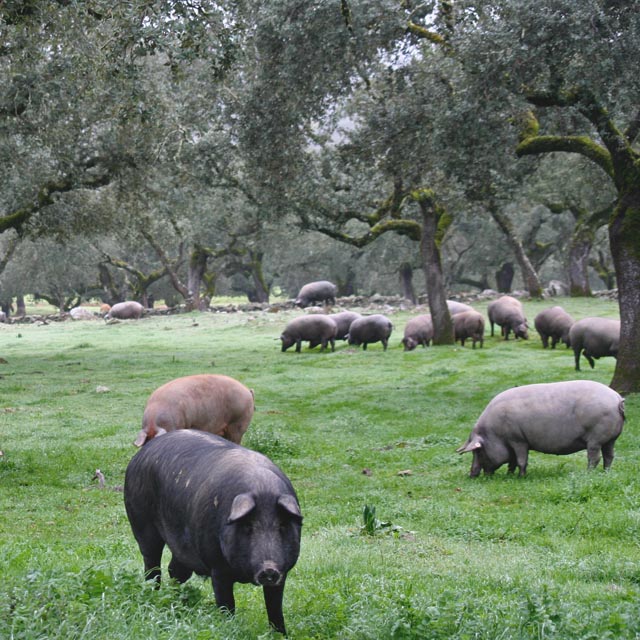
<point>553,555</point>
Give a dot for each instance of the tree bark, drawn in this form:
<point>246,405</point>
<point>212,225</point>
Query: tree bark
<point>529,275</point>
<point>406,281</point>
<point>432,266</point>
<point>623,237</point>
<point>579,251</point>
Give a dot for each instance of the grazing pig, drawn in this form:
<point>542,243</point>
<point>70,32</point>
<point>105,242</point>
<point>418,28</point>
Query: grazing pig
<point>368,329</point>
<point>343,321</point>
<point>468,324</point>
<point>555,417</point>
<point>553,323</point>
<point>224,511</point>
<point>457,307</point>
<point>594,338</point>
<point>317,328</point>
<point>507,312</point>
<point>320,291</point>
<point>209,402</point>
<point>130,310</point>
<point>418,330</point>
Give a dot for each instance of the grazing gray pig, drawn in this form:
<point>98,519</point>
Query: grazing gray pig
<point>555,417</point>
<point>224,511</point>
<point>553,323</point>
<point>594,338</point>
<point>317,328</point>
<point>368,329</point>
<point>507,312</point>
<point>320,291</point>
<point>418,330</point>
<point>468,324</point>
<point>457,307</point>
<point>214,403</point>
<point>129,310</point>
<point>343,321</point>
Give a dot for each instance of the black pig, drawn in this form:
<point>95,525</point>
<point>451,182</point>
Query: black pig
<point>224,511</point>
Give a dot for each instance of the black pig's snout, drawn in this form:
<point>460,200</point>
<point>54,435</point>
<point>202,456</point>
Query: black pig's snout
<point>269,576</point>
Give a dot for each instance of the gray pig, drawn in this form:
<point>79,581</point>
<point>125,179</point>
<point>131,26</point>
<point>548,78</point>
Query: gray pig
<point>468,324</point>
<point>418,330</point>
<point>320,291</point>
<point>209,402</point>
<point>553,323</point>
<point>343,321</point>
<point>555,417</point>
<point>594,338</point>
<point>224,511</point>
<point>368,329</point>
<point>507,312</point>
<point>317,328</point>
<point>129,310</point>
<point>457,307</point>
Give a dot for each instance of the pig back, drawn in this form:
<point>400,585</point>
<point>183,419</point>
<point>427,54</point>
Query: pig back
<point>556,417</point>
<point>215,403</point>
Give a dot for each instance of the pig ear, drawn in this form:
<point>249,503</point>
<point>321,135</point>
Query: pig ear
<point>471,445</point>
<point>290,505</point>
<point>243,505</point>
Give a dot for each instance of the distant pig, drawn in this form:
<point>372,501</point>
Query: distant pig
<point>418,330</point>
<point>507,312</point>
<point>130,310</point>
<point>343,321</point>
<point>553,323</point>
<point>468,324</point>
<point>368,329</point>
<point>224,511</point>
<point>457,307</point>
<point>594,338</point>
<point>317,328</point>
<point>210,402</point>
<point>320,291</point>
<point>555,417</point>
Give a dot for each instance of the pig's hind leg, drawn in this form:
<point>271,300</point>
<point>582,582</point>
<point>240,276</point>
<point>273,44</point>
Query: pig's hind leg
<point>151,545</point>
<point>179,571</point>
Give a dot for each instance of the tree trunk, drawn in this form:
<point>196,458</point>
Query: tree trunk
<point>432,266</point>
<point>529,275</point>
<point>504,277</point>
<point>579,251</point>
<point>197,268</point>
<point>261,288</point>
<point>623,238</point>
<point>406,281</point>
<point>21,307</point>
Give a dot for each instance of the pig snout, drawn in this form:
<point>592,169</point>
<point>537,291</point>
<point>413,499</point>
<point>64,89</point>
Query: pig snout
<point>269,575</point>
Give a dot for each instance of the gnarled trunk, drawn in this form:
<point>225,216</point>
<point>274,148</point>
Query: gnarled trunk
<point>432,266</point>
<point>626,257</point>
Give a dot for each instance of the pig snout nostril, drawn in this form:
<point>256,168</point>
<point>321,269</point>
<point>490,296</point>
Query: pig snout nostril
<point>269,577</point>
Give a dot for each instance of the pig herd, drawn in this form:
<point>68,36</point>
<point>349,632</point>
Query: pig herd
<point>231,514</point>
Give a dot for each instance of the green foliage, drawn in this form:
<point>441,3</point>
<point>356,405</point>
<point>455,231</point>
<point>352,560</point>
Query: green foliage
<point>552,555</point>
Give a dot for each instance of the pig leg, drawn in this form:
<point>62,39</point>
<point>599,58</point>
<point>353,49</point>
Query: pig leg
<point>593,456</point>
<point>521,451</point>
<point>179,571</point>
<point>151,546</point>
<point>223,591</point>
<point>385,342</point>
<point>273,602</point>
<point>576,353</point>
<point>298,345</point>
<point>333,344</point>
<point>364,346</point>
<point>607,454</point>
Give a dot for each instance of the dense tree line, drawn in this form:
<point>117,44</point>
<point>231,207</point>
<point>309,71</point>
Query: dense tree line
<point>187,144</point>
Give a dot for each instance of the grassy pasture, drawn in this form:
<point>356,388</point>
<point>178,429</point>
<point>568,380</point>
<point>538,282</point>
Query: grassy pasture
<point>553,555</point>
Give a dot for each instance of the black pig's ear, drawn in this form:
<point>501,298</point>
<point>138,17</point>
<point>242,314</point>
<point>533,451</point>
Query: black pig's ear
<point>243,505</point>
<point>290,505</point>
